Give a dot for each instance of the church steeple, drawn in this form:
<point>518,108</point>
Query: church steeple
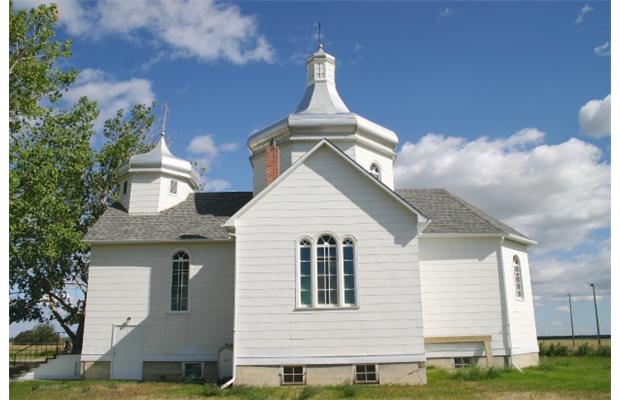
<point>321,96</point>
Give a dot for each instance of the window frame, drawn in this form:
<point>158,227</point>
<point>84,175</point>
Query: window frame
<point>189,278</point>
<point>176,187</point>
<point>355,286</point>
<point>293,374</point>
<point>338,271</point>
<point>299,304</point>
<point>517,275</point>
<point>463,364</point>
<point>366,382</point>
<point>202,369</point>
<point>125,187</point>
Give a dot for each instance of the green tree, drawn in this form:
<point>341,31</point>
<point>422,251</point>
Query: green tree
<point>58,184</point>
<point>39,334</point>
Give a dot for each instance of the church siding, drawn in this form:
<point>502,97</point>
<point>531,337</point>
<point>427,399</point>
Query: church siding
<point>325,194</point>
<point>461,293</point>
<point>134,281</point>
<point>520,311</point>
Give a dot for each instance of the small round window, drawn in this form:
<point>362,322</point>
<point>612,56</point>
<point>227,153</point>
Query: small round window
<point>375,171</point>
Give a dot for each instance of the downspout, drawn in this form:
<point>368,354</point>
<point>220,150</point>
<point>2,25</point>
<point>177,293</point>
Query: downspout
<point>505,301</point>
<point>234,349</point>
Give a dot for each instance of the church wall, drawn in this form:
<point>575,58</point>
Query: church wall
<point>461,293</point>
<point>134,281</point>
<point>365,157</point>
<point>167,199</point>
<point>326,194</point>
<point>258,174</point>
<point>144,196</point>
<point>520,311</point>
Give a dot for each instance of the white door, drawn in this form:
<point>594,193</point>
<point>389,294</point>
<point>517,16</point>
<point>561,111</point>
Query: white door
<point>224,363</point>
<point>127,352</point>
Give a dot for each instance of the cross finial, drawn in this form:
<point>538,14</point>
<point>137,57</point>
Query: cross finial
<point>320,39</point>
<point>164,120</point>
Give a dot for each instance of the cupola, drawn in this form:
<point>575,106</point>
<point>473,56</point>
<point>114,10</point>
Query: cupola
<point>155,181</point>
<point>321,114</point>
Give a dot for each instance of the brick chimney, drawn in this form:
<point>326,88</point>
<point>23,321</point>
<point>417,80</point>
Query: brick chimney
<point>272,166</point>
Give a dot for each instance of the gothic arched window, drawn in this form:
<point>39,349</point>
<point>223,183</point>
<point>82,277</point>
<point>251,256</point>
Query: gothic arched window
<point>305,274</point>
<point>327,270</point>
<point>179,299</point>
<point>518,275</point>
<point>348,261</point>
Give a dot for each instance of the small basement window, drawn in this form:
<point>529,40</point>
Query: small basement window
<point>366,373</point>
<point>293,375</point>
<point>173,186</point>
<point>463,362</point>
<point>192,370</point>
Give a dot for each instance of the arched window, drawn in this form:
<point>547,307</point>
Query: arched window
<point>305,275</point>
<point>348,260</point>
<point>375,171</point>
<point>327,270</point>
<point>516,266</point>
<point>180,282</point>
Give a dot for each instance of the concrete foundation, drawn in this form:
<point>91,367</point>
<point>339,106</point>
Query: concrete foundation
<point>323,375</point>
<point>162,371</point>
<point>525,360</point>
<point>95,370</point>
<point>520,360</point>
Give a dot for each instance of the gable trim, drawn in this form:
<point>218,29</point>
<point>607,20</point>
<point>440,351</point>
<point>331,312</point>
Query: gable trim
<point>230,223</point>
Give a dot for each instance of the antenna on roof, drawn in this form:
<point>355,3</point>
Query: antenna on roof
<point>320,38</point>
<point>164,120</point>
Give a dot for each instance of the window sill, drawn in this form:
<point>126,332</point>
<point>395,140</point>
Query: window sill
<point>326,308</point>
<point>177,313</point>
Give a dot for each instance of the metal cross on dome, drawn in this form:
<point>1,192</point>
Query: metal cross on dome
<point>320,39</point>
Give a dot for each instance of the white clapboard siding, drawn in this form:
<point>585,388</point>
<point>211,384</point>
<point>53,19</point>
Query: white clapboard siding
<point>259,163</point>
<point>167,199</point>
<point>134,281</point>
<point>365,157</point>
<point>388,323</point>
<point>461,292</point>
<point>144,196</point>
<point>520,311</point>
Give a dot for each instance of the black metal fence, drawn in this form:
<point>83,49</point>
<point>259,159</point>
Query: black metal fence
<point>30,355</point>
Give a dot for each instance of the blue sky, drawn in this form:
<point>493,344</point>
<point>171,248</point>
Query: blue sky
<point>487,96</point>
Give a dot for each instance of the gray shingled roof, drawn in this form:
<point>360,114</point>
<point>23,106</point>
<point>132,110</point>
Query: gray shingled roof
<point>451,214</point>
<point>202,215</point>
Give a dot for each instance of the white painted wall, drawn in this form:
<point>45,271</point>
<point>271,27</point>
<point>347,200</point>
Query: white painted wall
<point>149,193</point>
<point>259,177</point>
<point>327,194</point>
<point>134,281</point>
<point>366,156</point>
<point>520,311</point>
<point>167,199</point>
<point>461,292</point>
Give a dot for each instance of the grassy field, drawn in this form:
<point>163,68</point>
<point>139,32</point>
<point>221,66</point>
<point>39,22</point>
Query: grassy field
<point>556,378</point>
<point>578,342</point>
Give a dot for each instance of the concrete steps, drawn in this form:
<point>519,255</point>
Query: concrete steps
<point>63,367</point>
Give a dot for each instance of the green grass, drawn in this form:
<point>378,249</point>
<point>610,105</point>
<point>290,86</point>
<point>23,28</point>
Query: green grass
<point>556,378</point>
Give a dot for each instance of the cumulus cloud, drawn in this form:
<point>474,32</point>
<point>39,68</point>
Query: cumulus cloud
<point>109,93</point>
<point>557,194</point>
<point>582,13</point>
<point>554,277</point>
<point>208,30</point>
<point>603,50</point>
<point>446,12</point>
<point>205,152</point>
<point>595,117</point>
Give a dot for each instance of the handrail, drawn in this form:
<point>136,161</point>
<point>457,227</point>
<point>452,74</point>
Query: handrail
<point>53,345</point>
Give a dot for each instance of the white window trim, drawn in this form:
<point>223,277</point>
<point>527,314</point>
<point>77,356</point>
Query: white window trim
<point>202,368</point>
<point>516,260</point>
<point>303,371</point>
<point>341,305</point>
<point>170,187</point>
<point>377,371</point>
<point>189,279</point>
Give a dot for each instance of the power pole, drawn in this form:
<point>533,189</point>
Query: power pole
<point>598,329</point>
<point>572,328</point>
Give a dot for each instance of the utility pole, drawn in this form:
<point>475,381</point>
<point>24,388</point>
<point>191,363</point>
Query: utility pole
<point>598,329</point>
<point>572,328</point>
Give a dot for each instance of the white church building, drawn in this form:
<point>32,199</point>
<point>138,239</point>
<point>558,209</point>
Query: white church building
<point>323,274</point>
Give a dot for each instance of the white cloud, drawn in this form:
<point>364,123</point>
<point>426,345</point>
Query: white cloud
<point>603,50</point>
<point>110,94</point>
<point>595,117</point>
<point>229,146</point>
<point>208,30</point>
<point>582,13</point>
<point>216,185</point>
<point>446,12</point>
<point>562,309</point>
<point>556,323</point>
<point>553,277</point>
<point>557,194</point>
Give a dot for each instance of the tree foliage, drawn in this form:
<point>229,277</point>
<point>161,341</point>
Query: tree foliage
<point>58,183</point>
<point>41,333</point>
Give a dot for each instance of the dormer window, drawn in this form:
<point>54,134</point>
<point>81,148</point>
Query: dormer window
<point>173,186</point>
<point>375,171</point>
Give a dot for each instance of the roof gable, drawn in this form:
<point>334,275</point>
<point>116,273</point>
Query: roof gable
<point>324,143</point>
